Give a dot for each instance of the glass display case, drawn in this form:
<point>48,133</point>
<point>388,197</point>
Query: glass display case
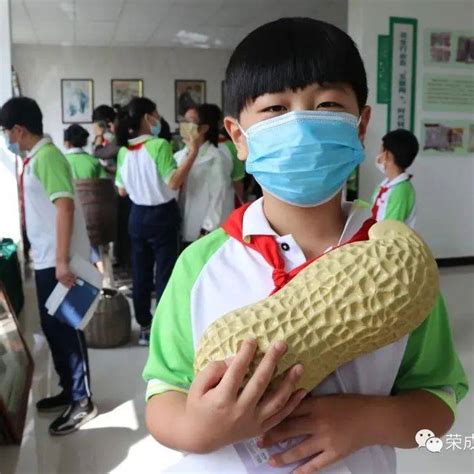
<point>16,371</point>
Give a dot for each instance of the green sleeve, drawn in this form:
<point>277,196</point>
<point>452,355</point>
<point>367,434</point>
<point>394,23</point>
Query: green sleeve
<point>430,361</point>
<point>120,161</point>
<point>238,168</point>
<point>171,356</point>
<point>401,201</point>
<point>162,152</point>
<point>54,172</point>
<point>70,160</point>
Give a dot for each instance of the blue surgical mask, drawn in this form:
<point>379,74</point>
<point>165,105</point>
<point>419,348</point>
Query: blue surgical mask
<point>305,157</point>
<point>155,129</point>
<point>13,147</point>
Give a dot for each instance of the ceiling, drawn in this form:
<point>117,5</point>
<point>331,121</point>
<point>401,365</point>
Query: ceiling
<point>166,23</point>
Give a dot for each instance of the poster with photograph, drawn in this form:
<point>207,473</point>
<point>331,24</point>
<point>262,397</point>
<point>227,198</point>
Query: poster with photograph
<point>447,137</point>
<point>445,48</point>
<point>124,90</point>
<point>448,93</point>
<point>188,93</point>
<point>77,100</point>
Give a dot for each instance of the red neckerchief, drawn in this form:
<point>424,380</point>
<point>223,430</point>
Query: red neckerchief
<point>376,206</point>
<point>268,248</point>
<point>22,190</point>
<point>135,147</point>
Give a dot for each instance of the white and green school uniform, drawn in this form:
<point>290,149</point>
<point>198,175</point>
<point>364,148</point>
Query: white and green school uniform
<point>395,200</point>
<point>83,165</point>
<point>207,198</point>
<point>144,169</point>
<point>238,166</point>
<point>47,177</point>
<point>219,274</point>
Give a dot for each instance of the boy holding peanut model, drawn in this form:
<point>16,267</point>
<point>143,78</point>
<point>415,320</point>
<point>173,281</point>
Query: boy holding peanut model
<point>297,91</point>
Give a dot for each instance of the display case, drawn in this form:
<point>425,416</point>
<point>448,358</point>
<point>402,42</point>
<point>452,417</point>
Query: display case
<point>16,372</point>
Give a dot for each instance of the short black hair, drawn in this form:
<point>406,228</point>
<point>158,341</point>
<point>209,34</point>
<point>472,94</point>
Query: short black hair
<point>76,135</point>
<point>292,53</point>
<point>22,111</point>
<point>403,145</point>
<point>104,113</point>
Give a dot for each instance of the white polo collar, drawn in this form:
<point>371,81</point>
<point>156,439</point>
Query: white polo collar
<point>76,150</point>
<point>401,177</point>
<point>139,140</point>
<point>46,140</point>
<point>255,222</point>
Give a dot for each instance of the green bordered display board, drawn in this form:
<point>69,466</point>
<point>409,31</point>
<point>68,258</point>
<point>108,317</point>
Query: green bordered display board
<point>396,72</point>
<point>384,68</point>
<point>401,108</point>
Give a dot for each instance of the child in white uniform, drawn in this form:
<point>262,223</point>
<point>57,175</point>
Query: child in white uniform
<point>204,198</point>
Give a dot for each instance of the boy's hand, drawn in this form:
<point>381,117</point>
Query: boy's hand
<point>221,413</point>
<point>336,426</point>
<point>64,275</point>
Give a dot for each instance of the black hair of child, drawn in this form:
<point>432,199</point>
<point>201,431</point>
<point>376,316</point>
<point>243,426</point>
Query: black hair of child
<point>404,146</point>
<point>130,118</point>
<point>104,113</point>
<point>22,111</point>
<point>292,53</point>
<point>76,135</point>
<point>211,115</point>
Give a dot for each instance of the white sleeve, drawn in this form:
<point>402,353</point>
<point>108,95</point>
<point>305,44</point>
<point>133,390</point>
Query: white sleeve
<point>217,186</point>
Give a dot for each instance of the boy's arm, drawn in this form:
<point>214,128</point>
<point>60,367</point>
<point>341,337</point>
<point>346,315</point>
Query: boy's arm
<point>339,425</point>
<point>210,410</point>
<point>54,173</point>
<point>429,384</point>
<point>217,412</point>
<point>64,229</point>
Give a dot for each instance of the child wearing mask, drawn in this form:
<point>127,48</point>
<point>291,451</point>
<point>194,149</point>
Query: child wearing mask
<point>148,173</point>
<point>395,197</point>
<point>297,93</point>
<point>207,196</point>
<point>56,229</point>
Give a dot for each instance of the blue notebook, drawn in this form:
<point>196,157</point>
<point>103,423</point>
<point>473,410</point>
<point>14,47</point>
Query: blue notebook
<point>76,304</point>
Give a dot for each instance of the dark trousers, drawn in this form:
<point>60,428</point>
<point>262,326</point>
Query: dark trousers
<point>68,346</point>
<point>154,239</point>
<point>122,242</point>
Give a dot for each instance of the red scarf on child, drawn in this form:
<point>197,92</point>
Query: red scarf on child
<point>268,248</point>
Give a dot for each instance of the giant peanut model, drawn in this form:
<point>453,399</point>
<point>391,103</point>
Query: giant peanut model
<point>351,301</point>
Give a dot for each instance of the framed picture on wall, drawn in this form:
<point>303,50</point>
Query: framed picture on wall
<point>187,93</point>
<point>124,90</point>
<point>77,100</point>
<point>16,372</point>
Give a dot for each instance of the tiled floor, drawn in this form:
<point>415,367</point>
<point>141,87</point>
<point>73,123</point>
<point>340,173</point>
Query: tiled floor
<point>117,441</point>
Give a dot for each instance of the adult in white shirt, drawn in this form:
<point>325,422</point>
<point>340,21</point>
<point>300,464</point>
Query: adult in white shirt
<point>204,199</point>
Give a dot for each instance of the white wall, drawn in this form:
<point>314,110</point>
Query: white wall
<point>445,185</point>
<point>9,212</point>
<point>41,69</point>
